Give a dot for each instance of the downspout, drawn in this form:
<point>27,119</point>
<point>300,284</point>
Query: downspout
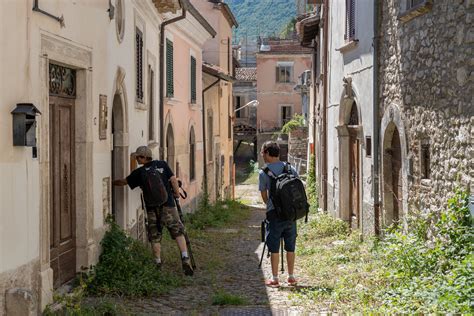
<point>162,74</point>
<point>376,121</point>
<point>204,132</point>
<point>325,102</point>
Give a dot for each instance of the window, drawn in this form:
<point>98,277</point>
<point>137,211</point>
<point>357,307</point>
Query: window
<point>425,160</point>
<point>169,69</point>
<point>151,108</point>
<point>284,72</point>
<point>210,137</point>
<point>237,106</point>
<point>413,3</point>
<point>350,20</point>
<point>286,115</point>
<point>139,64</point>
<point>368,146</point>
<point>192,155</point>
<point>193,79</point>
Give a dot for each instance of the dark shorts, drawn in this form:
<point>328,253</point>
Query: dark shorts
<point>169,218</point>
<point>277,229</point>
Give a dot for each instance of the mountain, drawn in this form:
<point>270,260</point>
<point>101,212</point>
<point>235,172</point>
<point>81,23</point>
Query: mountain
<point>261,17</point>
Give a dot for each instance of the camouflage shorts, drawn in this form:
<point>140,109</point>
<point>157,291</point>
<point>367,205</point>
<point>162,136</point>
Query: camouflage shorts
<point>169,218</point>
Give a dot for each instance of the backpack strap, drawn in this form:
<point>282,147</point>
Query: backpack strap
<point>268,172</point>
<point>287,168</point>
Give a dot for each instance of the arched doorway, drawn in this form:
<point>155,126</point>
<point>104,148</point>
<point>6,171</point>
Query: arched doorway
<point>170,150</point>
<point>350,189</point>
<point>354,167</point>
<point>392,176</point>
<point>118,163</point>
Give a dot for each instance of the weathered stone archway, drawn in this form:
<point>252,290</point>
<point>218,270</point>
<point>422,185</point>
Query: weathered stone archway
<point>394,166</point>
<point>349,134</point>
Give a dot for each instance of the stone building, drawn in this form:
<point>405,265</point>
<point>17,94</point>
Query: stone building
<point>393,101</point>
<point>426,103</point>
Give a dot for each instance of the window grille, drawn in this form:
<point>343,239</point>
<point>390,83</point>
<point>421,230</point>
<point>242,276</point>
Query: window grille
<point>350,20</point>
<point>169,69</point>
<point>193,80</point>
<point>139,64</point>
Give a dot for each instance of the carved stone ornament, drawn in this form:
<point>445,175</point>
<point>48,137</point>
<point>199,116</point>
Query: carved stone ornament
<point>347,87</point>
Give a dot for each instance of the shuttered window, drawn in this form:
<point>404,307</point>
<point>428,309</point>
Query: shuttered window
<point>139,64</point>
<point>193,79</point>
<point>169,69</point>
<point>192,155</point>
<point>350,20</point>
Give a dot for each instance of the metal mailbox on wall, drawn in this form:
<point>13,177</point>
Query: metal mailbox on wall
<point>24,124</point>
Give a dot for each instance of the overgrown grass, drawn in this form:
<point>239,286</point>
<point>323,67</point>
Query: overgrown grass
<point>220,214</point>
<point>221,297</point>
<point>420,269</point>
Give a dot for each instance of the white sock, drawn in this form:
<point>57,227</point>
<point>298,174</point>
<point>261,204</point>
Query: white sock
<point>275,278</point>
<point>291,276</point>
<point>184,254</point>
<point>158,260</point>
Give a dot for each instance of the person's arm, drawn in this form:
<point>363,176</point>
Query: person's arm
<point>120,182</point>
<point>264,196</point>
<point>175,186</point>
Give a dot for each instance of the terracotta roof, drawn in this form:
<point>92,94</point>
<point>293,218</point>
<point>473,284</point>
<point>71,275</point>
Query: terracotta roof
<point>246,74</point>
<point>284,47</point>
<point>216,71</point>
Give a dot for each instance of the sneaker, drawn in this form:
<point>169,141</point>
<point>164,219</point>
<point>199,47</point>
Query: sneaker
<point>292,281</point>
<point>272,283</point>
<point>187,268</point>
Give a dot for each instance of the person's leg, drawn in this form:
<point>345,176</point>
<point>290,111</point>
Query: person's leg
<point>273,243</point>
<point>170,219</point>
<point>289,236</point>
<point>290,261</point>
<point>154,234</point>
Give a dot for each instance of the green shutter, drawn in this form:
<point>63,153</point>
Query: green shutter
<point>193,80</point>
<point>169,69</point>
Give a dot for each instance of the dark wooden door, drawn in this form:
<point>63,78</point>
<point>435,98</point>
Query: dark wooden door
<point>354,168</point>
<point>396,174</point>
<point>62,220</point>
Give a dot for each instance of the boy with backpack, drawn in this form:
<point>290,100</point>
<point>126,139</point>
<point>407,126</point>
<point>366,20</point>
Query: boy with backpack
<point>283,193</point>
<point>160,187</point>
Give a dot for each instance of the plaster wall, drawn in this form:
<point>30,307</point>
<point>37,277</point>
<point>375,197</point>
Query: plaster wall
<point>271,94</point>
<point>356,63</point>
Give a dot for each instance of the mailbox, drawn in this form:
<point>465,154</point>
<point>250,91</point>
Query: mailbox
<point>24,124</point>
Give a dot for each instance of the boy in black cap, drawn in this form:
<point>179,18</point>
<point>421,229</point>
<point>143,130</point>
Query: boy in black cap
<point>167,215</point>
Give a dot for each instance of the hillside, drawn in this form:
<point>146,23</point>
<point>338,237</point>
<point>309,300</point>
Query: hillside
<point>264,17</point>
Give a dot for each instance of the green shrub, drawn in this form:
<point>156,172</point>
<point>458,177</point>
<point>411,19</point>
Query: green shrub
<point>431,271</point>
<point>311,185</point>
<point>126,267</point>
<point>324,225</point>
<point>294,123</point>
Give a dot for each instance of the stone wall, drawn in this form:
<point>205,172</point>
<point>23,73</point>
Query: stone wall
<point>298,148</point>
<point>426,71</point>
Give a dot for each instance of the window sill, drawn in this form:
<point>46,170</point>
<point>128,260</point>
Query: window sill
<point>194,106</point>
<point>416,11</point>
<point>348,46</point>
<point>139,105</point>
<point>171,101</point>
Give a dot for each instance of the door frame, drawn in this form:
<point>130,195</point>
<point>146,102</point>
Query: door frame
<point>69,54</point>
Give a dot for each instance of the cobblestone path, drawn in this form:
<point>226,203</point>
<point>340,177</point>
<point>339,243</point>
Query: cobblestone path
<point>239,276</point>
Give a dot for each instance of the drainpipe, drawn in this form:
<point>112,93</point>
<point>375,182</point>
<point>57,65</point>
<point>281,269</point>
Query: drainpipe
<point>204,132</point>
<point>325,102</point>
<point>162,74</point>
<point>376,124</point>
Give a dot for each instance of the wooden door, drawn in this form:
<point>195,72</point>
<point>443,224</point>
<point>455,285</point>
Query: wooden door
<point>396,175</point>
<point>354,171</point>
<point>62,218</point>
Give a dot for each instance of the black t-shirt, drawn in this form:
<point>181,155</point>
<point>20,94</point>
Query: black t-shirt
<point>135,179</point>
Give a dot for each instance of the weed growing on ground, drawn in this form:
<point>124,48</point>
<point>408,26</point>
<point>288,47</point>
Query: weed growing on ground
<point>221,297</point>
<point>126,267</point>
<point>311,186</point>
<point>220,214</point>
<point>419,269</point>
